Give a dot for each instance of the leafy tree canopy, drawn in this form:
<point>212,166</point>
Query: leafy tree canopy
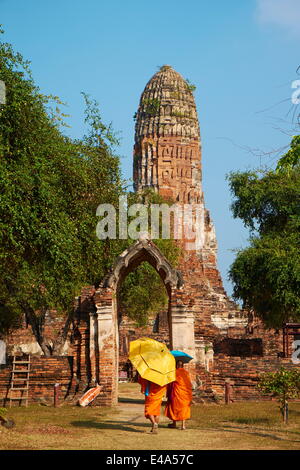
<point>142,294</point>
<point>266,275</point>
<point>292,157</point>
<point>51,186</point>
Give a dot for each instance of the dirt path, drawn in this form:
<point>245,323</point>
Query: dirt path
<point>134,433</point>
<point>130,417</point>
<point>124,427</point>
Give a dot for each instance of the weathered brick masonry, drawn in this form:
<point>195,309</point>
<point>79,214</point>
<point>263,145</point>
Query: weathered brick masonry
<point>45,372</point>
<point>243,374</point>
<point>226,342</point>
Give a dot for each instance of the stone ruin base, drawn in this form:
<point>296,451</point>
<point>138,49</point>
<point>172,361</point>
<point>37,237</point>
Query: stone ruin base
<point>209,385</point>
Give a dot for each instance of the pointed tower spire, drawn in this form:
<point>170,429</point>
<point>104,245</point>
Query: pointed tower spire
<point>167,153</point>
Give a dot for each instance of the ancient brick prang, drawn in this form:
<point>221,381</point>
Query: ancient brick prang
<point>226,342</point>
<point>167,156</point>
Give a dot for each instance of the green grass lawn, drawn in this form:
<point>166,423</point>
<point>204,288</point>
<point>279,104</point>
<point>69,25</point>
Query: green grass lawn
<point>242,425</point>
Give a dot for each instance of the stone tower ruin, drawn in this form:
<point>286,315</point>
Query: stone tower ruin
<point>167,159</point>
<point>225,341</point>
<point>167,153</point>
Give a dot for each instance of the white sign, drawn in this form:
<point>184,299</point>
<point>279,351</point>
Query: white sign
<point>2,352</point>
<point>296,353</point>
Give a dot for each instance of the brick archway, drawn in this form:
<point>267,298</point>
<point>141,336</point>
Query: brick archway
<point>104,341</point>
<point>142,250</point>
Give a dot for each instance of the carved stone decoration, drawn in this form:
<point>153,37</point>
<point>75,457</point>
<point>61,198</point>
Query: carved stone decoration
<point>167,121</point>
<point>144,250</point>
<point>183,329</point>
<point>167,116</point>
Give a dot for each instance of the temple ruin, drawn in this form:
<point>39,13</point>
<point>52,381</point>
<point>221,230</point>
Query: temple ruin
<point>226,342</point>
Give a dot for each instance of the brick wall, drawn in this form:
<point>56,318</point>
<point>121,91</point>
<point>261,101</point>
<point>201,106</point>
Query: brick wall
<point>244,374</point>
<point>45,372</point>
<point>23,336</point>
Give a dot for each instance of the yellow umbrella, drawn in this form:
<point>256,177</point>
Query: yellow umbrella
<point>153,361</point>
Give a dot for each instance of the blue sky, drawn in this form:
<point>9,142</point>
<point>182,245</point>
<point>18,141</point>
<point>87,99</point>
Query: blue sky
<point>241,54</point>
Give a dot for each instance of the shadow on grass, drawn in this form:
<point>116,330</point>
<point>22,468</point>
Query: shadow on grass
<point>117,425</point>
<point>251,421</point>
<point>268,421</point>
<point>259,433</point>
<point>131,400</point>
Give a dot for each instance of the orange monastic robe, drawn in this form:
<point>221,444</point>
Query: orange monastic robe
<point>154,399</point>
<point>179,397</point>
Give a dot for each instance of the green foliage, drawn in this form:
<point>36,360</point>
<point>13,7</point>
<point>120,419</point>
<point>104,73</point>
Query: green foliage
<point>266,275</point>
<point>143,294</point>
<point>50,188</point>
<point>284,384</point>
<point>266,201</point>
<point>291,158</point>
<point>175,94</point>
<point>162,68</point>
<point>190,85</point>
<point>9,320</point>
<point>151,106</point>
<point>180,114</point>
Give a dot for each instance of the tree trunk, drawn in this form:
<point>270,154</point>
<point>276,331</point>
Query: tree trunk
<point>62,336</point>
<point>37,326</point>
<point>286,412</point>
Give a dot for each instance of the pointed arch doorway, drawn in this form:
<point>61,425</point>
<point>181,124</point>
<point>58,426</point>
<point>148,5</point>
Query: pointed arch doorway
<point>104,336</point>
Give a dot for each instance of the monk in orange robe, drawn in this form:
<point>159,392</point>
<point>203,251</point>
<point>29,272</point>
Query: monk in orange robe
<point>153,398</point>
<point>179,397</point>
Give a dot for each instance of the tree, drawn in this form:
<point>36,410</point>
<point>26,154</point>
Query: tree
<point>143,294</point>
<point>284,384</point>
<point>292,157</point>
<point>9,320</point>
<point>266,275</point>
<point>50,188</point>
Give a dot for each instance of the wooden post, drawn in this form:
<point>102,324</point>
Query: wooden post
<point>56,394</point>
<point>228,392</point>
<point>286,412</point>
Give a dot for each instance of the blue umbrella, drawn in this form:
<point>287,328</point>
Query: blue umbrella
<point>181,356</point>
